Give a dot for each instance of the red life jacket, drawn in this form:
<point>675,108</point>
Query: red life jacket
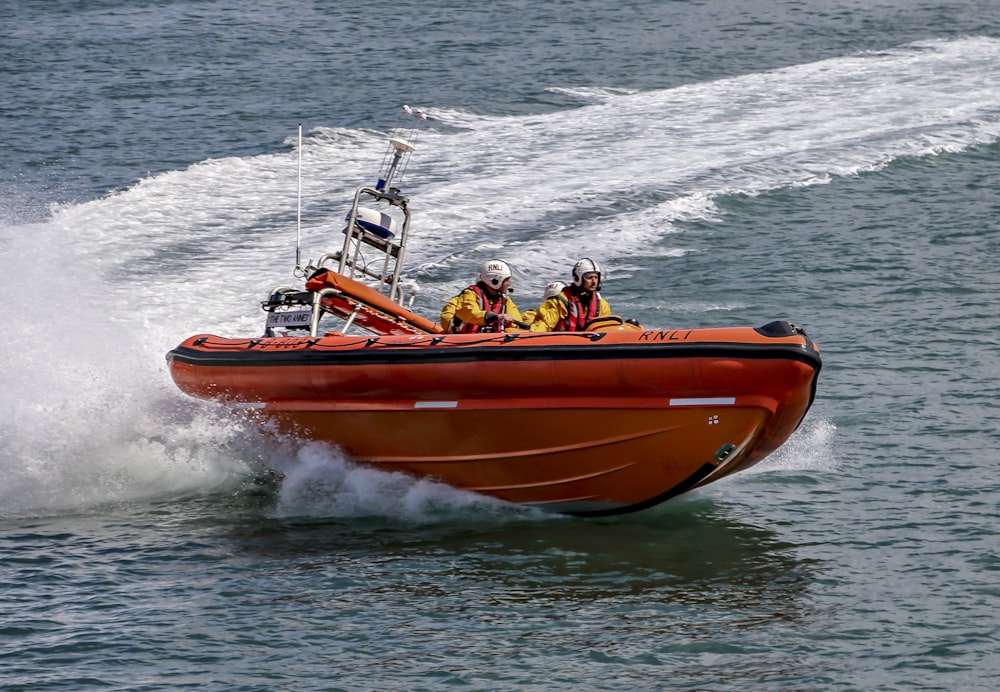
<point>577,315</point>
<point>496,306</point>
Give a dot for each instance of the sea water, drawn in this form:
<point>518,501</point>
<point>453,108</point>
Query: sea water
<point>832,163</point>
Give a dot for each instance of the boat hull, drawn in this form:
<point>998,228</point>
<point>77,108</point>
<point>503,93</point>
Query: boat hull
<point>583,423</point>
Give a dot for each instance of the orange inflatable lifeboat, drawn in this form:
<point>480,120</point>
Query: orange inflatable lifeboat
<point>585,423</point>
<point>608,420</point>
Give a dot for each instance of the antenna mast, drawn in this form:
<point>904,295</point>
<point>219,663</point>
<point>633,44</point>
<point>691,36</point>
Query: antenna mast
<point>298,212</point>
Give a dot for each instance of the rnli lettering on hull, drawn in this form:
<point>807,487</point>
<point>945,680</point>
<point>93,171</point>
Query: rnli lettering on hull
<point>665,335</point>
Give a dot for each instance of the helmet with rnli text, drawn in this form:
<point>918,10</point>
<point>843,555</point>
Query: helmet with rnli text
<point>586,266</point>
<point>554,289</point>
<point>493,273</point>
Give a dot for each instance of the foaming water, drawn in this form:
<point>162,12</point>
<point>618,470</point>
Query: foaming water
<point>613,178</point>
<point>87,415</point>
<point>319,480</point>
<point>811,448</point>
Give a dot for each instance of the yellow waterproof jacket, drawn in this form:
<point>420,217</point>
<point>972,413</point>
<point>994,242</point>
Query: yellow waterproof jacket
<point>553,314</point>
<point>448,313</point>
<point>469,310</point>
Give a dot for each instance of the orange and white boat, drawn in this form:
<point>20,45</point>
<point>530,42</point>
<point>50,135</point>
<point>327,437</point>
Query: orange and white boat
<point>610,420</point>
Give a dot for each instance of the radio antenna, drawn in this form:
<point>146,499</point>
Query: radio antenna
<point>298,211</point>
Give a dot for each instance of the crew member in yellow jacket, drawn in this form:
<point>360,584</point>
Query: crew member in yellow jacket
<point>484,306</point>
<point>448,313</point>
<point>554,288</point>
<point>576,305</point>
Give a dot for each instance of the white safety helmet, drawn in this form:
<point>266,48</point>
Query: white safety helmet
<point>493,273</point>
<point>586,266</point>
<point>554,289</point>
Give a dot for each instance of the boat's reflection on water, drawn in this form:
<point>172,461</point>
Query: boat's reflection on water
<point>690,552</point>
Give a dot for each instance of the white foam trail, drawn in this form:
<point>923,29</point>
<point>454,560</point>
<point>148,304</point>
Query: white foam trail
<point>810,448</point>
<point>88,415</point>
<point>610,179</point>
<point>785,128</point>
<point>321,481</point>
<point>591,94</point>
